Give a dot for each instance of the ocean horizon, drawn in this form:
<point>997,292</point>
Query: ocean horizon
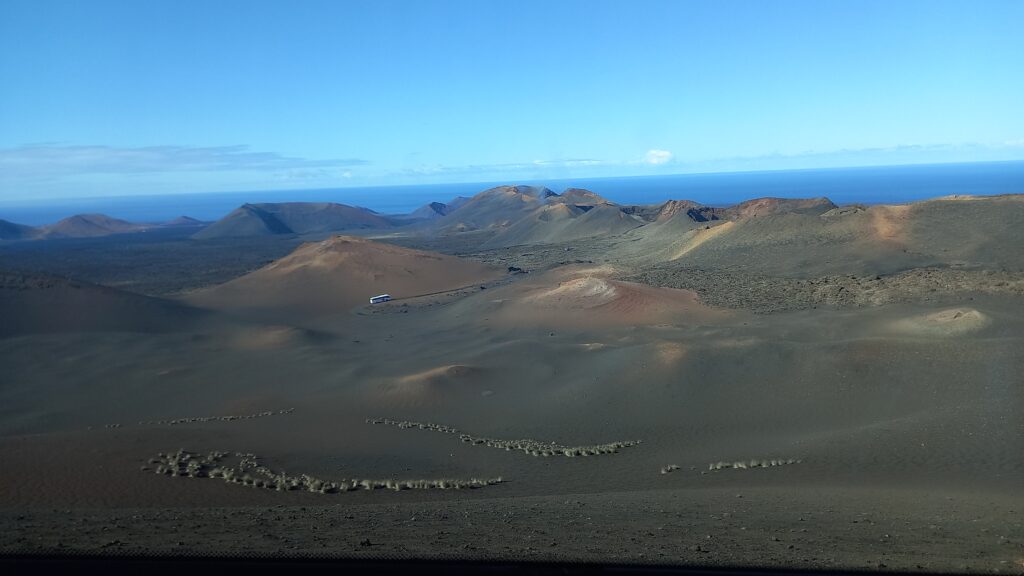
<point>850,185</point>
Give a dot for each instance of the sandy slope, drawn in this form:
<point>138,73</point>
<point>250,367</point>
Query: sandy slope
<point>561,222</point>
<point>430,387</point>
<point>34,303</point>
<point>576,296</point>
<point>944,323</point>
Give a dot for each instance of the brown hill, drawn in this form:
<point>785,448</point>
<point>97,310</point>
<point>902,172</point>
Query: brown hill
<point>334,275</point>
<point>766,206</point>
<point>573,296</point>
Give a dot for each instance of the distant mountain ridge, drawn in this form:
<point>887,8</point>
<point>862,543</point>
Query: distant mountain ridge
<point>757,231</point>
<point>521,215</point>
<point>292,218</point>
<point>184,221</point>
<point>86,226</point>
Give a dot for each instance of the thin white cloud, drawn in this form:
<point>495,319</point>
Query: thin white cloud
<point>50,160</point>
<point>567,163</point>
<point>887,155</point>
<point>500,169</point>
<point>655,157</point>
<point>310,175</point>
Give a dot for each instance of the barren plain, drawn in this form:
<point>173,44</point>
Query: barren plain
<point>783,383</point>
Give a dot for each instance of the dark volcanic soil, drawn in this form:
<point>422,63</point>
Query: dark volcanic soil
<point>888,385</point>
<point>825,528</point>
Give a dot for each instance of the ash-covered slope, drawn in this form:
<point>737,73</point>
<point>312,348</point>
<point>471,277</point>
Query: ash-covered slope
<point>38,303</point>
<point>559,222</point>
<point>292,218</point>
<point>334,275</point>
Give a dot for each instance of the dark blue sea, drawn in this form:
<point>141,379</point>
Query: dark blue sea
<point>868,185</point>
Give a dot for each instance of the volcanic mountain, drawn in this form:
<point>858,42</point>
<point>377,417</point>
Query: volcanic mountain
<point>564,222</point>
<point>334,275</point>
<point>12,231</point>
<point>86,226</point>
<point>434,210</point>
<point>89,226</point>
<point>183,221</point>
<point>798,238</point>
<point>430,211</point>
<point>765,206</point>
<point>494,209</point>
<point>292,218</point>
<point>515,215</point>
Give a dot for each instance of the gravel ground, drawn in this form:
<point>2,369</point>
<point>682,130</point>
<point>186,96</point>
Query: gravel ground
<point>770,527</point>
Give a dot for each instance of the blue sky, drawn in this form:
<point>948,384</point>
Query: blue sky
<point>139,97</point>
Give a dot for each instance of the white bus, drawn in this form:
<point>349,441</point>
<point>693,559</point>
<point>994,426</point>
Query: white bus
<point>379,299</point>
